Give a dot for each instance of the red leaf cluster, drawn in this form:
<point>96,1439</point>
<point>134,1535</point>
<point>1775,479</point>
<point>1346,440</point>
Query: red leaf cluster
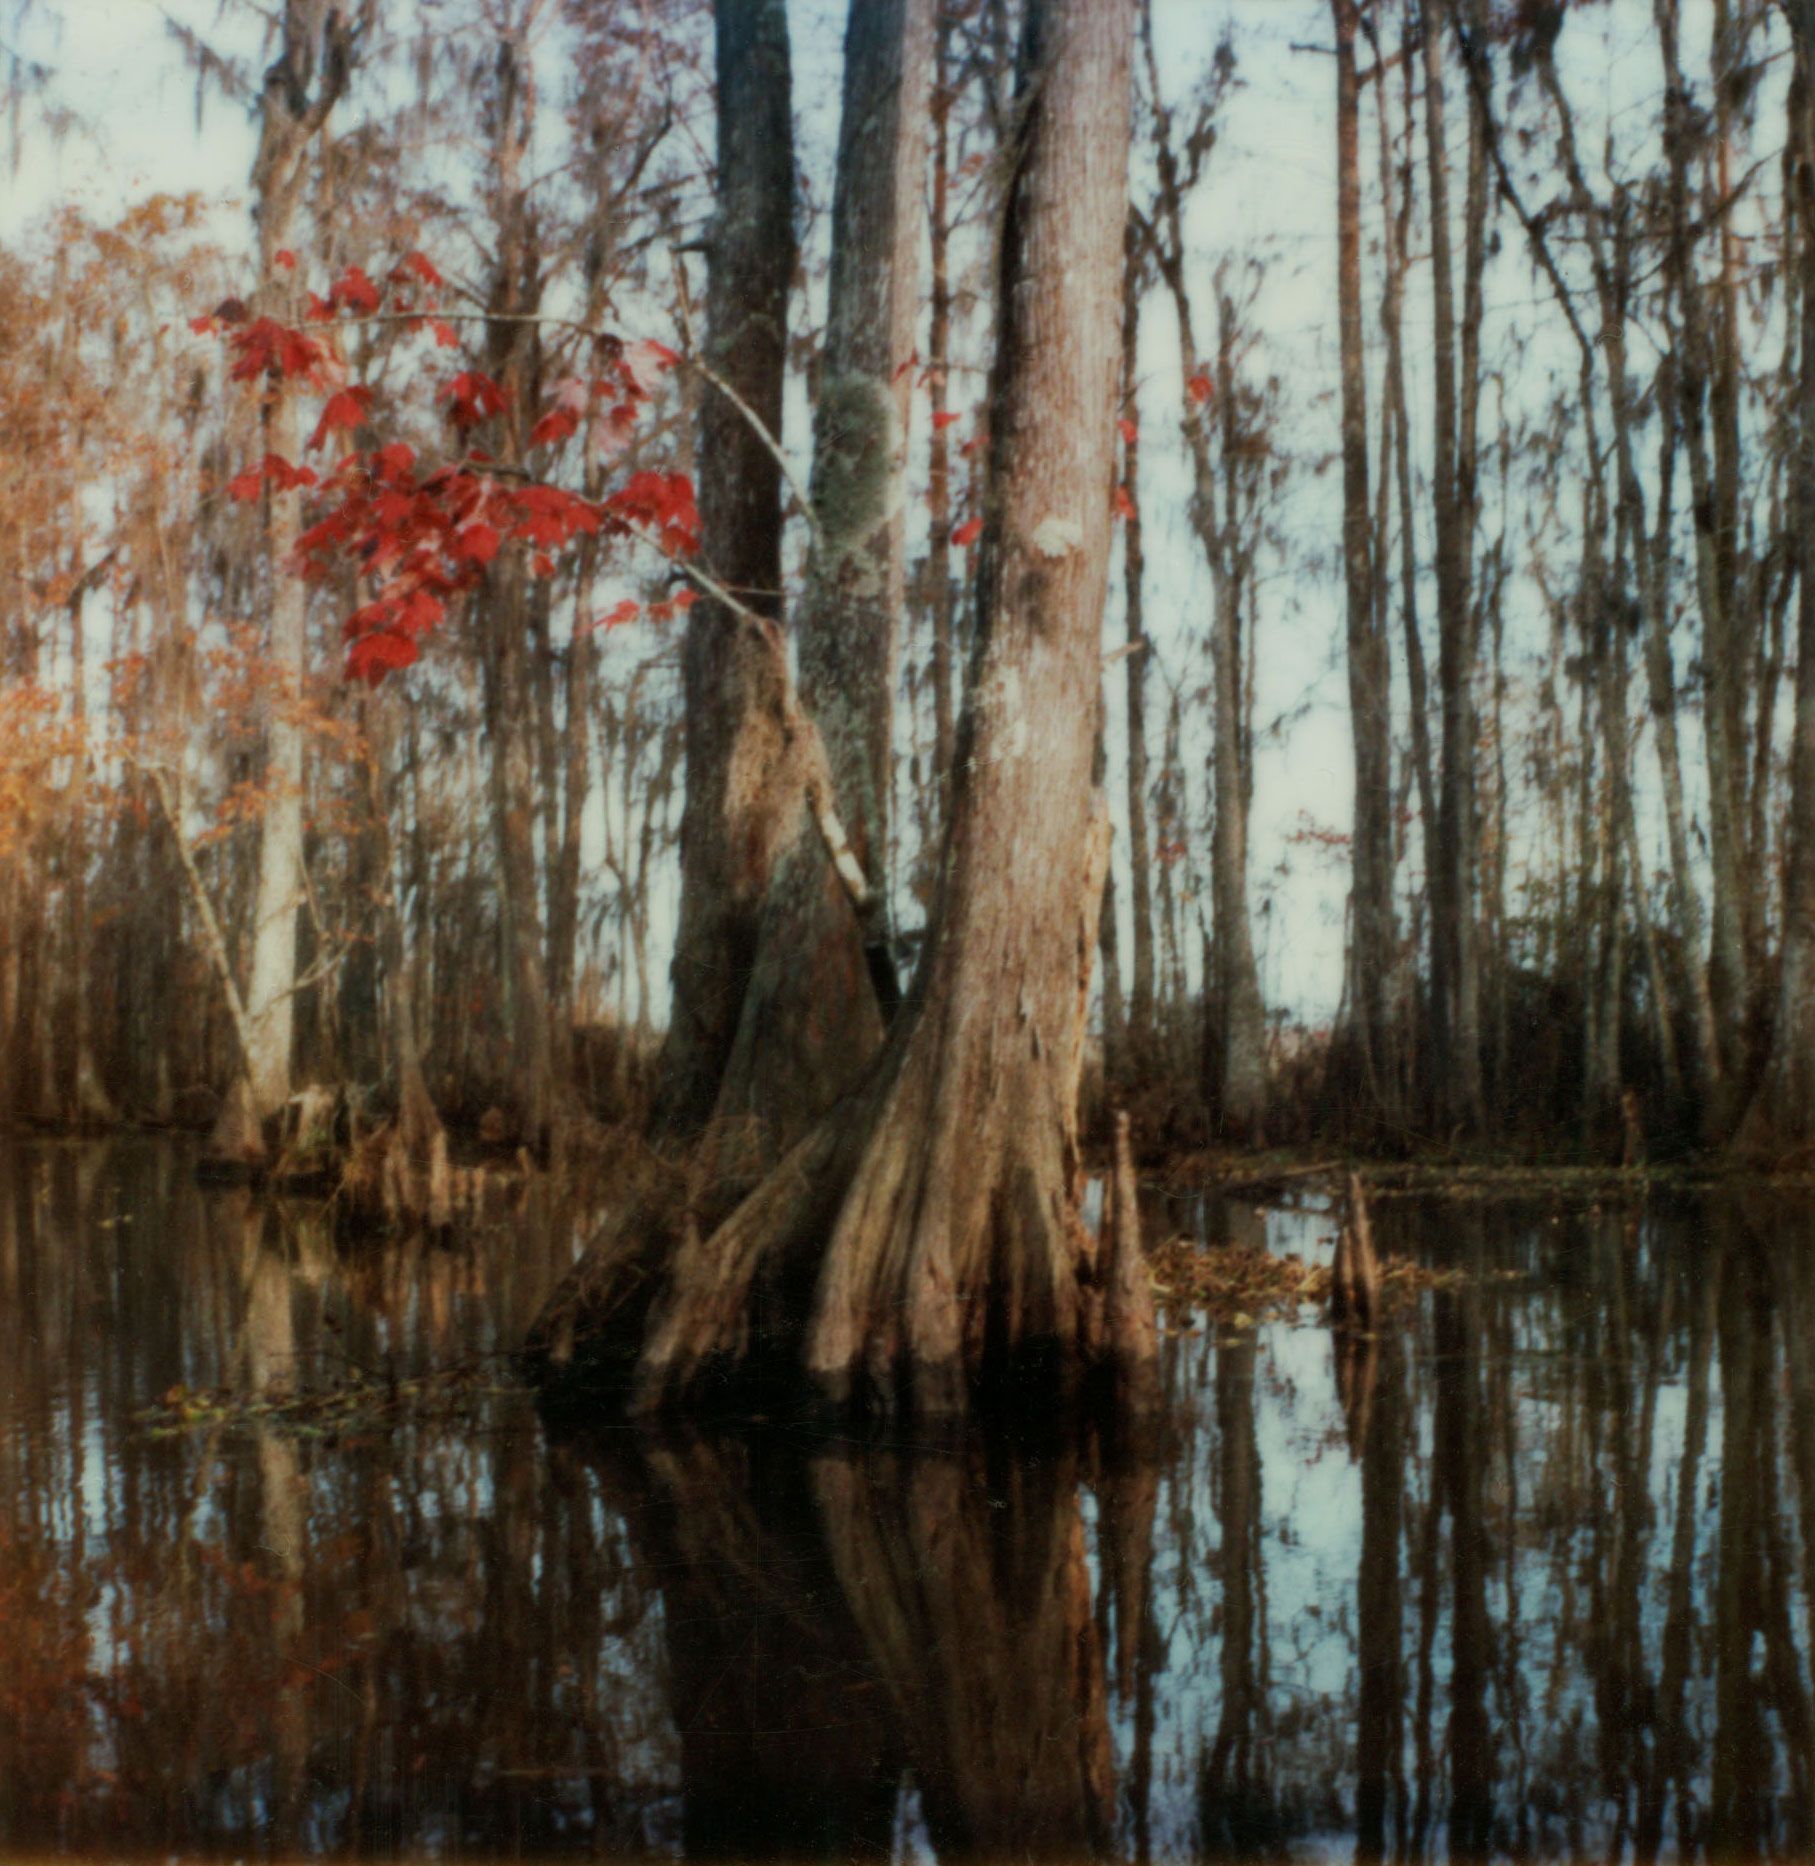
<point>276,469</point>
<point>472,397</point>
<point>267,348</point>
<point>354,292</point>
<point>661,506</point>
<point>423,538</point>
<point>342,413</point>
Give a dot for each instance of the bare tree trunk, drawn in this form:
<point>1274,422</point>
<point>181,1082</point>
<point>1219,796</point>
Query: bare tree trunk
<point>1651,560</point>
<point>1784,1110</point>
<point>509,606</point>
<point>564,879</point>
<point>940,595</point>
<point>1370,662</point>
<point>1396,220</point>
<point>300,89</point>
<point>1238,1097</point>
<point>1723,659</point>
<point>1455,969</point>
<point>1237,1038</point>
<point>1109,937</point>
<point>734,744</point>
<point>1140,841</point>
<point>90,1102</point>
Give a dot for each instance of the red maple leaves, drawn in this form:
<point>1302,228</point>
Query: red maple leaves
<point>276,469</point>
<point>421,537</point>
<point>344,410</point>
<point>472,397</point>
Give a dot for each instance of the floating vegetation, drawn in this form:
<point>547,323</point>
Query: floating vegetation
<point>1239,1284</point>
<point>359,1402</point>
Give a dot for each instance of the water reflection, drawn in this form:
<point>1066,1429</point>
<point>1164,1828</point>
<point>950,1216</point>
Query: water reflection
<point>1527,1575</point>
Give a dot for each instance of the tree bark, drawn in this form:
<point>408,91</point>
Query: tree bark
<point>822,980</point>
<point>734,741</point>
<point>925,1234</point>
<point>1370,663</point>
<point>300,89</point>
<point>1783,1112</point>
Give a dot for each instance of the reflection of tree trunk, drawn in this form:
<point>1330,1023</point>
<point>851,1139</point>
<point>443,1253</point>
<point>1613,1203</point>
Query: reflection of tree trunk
<point>1739,1791</point>
<point>1379,1709</point>
<point>1127,1501</point>
<point>832,1620</point>
<point>786,1749</point>
<point>270,1344</point>
<point>1791,1279</point>
<point>1459,1451</point>
<point>1235,1812</point>
<point>974,1595</point>
<point>1671,1751</point>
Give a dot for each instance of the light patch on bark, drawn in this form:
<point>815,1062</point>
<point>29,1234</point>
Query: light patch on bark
<point>1057,537</point>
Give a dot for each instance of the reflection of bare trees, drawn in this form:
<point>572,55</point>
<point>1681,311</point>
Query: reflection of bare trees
<point>1570,1615</point>
<point>1236,1808</point>
<point>245,1635</point>
<point>1379,1773</point>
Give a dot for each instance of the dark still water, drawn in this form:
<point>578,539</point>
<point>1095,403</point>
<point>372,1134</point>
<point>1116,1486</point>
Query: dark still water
<point>1530,1575</point>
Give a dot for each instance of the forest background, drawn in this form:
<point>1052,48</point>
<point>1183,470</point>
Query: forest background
<point>1554,572</point>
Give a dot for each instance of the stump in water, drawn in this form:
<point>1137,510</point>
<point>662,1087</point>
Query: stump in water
<point>925,1234</point>
<point>1355,1275</point>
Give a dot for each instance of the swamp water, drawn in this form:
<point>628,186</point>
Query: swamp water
<point>1529,1575</point>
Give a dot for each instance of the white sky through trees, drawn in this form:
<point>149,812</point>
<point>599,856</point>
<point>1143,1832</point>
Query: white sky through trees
<point>117,120</point>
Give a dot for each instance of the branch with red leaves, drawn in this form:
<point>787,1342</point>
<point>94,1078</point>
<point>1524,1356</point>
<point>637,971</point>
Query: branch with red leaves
<point>422,537</point>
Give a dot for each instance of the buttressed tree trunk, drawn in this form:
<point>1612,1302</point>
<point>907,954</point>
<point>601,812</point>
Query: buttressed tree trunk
<point>926,1232</point>
<point>734,733</point>
<point>813,1010</point>
<point>301,87</point>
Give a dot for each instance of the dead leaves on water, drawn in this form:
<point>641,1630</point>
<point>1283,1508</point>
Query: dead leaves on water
<point>1237,1285</point>
<point>354,1403</point>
